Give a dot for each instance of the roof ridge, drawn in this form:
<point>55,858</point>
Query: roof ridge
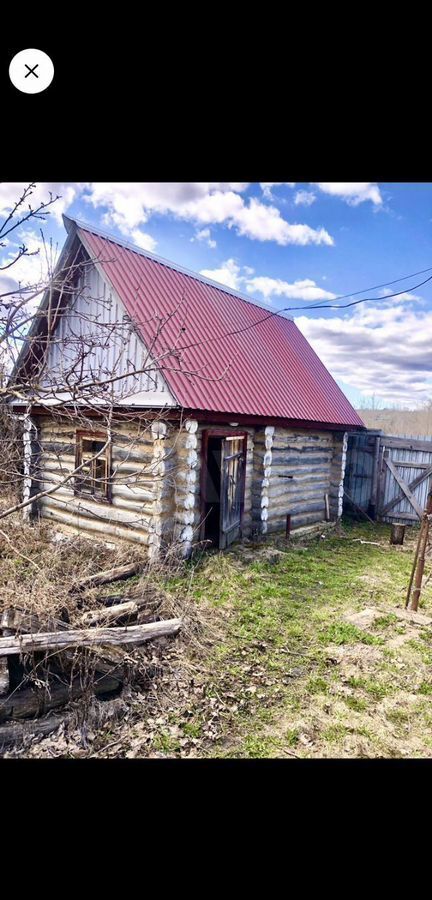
<point>134,248</point>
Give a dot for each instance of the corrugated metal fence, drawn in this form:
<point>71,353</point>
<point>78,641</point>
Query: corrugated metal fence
<point>388,476</point>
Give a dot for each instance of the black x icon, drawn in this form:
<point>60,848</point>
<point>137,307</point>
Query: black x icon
<point>31,71</point>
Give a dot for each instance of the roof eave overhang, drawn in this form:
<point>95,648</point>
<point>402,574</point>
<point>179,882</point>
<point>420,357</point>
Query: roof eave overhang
<point>278,421</point>
<point>205,417</point>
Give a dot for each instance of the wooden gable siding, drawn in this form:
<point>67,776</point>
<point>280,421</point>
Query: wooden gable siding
<point>96,320</point>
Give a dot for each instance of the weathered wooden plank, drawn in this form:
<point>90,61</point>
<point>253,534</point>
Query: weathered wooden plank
<point>111,613</point>
<point>382,475</point>
<point>18,619</point>
<point>374,489</point>
<point>89,637</point>
<point>410,465</point>
<point>402,516</point>
<point>407,443</point>
<point>109,575</point>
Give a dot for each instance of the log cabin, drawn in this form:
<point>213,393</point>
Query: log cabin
<point>169,408</point>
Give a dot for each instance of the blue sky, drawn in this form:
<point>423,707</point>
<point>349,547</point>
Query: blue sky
<point>288,244</point>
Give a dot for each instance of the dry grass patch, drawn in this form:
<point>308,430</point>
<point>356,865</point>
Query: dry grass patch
<point>277,665</point>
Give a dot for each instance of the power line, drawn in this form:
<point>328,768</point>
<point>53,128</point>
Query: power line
<point>375,287</point>
<point>315,306</point>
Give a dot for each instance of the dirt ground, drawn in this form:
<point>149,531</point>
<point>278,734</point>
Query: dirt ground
<point>306,651</point>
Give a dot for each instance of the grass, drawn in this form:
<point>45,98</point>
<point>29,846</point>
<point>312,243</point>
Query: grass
<point>300,675</point>
<point>345,633</point>
<point>284,673</point>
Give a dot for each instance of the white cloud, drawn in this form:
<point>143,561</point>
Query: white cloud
<point>239,277</point>
<point>382,350</point>
<point>405,295</point>
<point>131,204</point>
<point>265,223</point>
<point>354,192</point>
<point>205,235</point>
<point>304,198</point>
<point>266,187</point>
<point>305,289</point>
<point>11,191</point>
<point>228,274</point>
<point>144,240</point>
<point>29,271</point>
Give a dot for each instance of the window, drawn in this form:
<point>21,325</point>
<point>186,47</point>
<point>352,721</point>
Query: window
<point>94,477</point>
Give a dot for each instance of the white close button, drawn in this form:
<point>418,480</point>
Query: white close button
<point>31,71</point>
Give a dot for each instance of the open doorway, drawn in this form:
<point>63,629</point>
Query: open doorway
<point>222,486</point>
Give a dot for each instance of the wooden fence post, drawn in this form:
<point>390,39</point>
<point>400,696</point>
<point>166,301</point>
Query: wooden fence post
<point>381,479</point>
<point>373,504</point>
<point>419,559</point>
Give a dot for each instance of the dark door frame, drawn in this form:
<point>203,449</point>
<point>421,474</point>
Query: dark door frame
<point>206,435</point>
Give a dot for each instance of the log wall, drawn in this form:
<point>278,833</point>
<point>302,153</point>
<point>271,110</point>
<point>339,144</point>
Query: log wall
<point>138,485</point>
<point>156,480</point>
<point>297,468</point>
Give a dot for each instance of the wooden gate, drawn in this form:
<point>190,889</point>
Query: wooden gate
<point>404,478</point>
<point>388,476</point>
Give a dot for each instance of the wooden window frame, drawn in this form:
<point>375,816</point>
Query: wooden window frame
<point>104,496</point>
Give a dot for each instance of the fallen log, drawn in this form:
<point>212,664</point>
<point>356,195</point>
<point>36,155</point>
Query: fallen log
<point>111,613</point>
<point>109,575</point>
<point>125,606</point>
<point>30,703</point>
<point>133,634</point>
<point>12,735</point>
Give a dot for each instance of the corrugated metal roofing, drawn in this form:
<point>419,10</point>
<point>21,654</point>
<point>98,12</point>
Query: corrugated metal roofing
<point>266,369</point>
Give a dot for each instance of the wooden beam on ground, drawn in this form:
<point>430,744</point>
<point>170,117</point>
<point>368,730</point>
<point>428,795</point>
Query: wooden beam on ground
<point>111,613</point>
<point>18,619</point>
<point>109,575</point>
<point>90,637</point>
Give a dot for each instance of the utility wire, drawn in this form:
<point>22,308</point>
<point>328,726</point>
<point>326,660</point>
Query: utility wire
<point>302,308</point>
<point>375,287</point>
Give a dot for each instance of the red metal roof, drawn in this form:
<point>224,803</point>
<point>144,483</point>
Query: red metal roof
<point>266,369</point>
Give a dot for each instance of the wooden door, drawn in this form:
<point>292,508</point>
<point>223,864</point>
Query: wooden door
<point>233,471</point>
